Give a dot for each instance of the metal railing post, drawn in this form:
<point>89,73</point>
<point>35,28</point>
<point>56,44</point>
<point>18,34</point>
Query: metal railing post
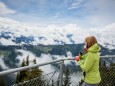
<point>61,73</point>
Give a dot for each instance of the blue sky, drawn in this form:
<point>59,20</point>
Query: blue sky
<point>87,13</point>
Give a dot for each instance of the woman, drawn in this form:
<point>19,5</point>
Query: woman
<point>90,64</point>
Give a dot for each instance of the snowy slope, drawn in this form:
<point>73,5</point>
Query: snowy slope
<point>13,33</point>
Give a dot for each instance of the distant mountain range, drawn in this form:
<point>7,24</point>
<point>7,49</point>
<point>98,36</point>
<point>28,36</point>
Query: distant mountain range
<point>16,33</point>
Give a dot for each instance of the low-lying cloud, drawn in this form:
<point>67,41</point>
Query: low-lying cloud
<point>2,64</point>
<point>42,59</point>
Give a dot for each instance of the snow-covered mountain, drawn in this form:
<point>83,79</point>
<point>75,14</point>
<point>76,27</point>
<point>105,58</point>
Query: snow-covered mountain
<point>15,33</point>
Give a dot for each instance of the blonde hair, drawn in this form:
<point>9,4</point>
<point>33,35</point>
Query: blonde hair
<point>90,41</point>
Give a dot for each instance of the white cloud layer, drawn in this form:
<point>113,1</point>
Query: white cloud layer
<point>105,34</point>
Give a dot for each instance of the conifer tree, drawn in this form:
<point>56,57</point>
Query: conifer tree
<point>53,84</point>
<point>67,77</point>
<point>35,72</point>
<point>81,82</point>
<point>2,81</point>
<point>22,75</point>
<point>27,60</point>
<point>30,74</point>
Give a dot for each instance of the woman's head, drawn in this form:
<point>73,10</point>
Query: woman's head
<point>91,40</point>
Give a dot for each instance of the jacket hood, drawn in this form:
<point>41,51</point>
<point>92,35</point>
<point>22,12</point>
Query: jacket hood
<point>95,48</point>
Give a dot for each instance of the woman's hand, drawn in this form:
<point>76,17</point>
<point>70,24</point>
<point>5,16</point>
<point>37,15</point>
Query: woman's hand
<point>78,58</point>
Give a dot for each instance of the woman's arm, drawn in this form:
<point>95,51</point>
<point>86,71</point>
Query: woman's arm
<point>89,60</point>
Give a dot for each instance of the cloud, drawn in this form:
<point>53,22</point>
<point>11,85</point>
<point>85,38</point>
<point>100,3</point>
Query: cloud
<point>57,15</point>
<point>76,4</point>
<point>51,33</point>
<point>7,41</point>
<point>42,59</point>
<point>99,13</point>
<point>5,10</point>
<point>2,64</point>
